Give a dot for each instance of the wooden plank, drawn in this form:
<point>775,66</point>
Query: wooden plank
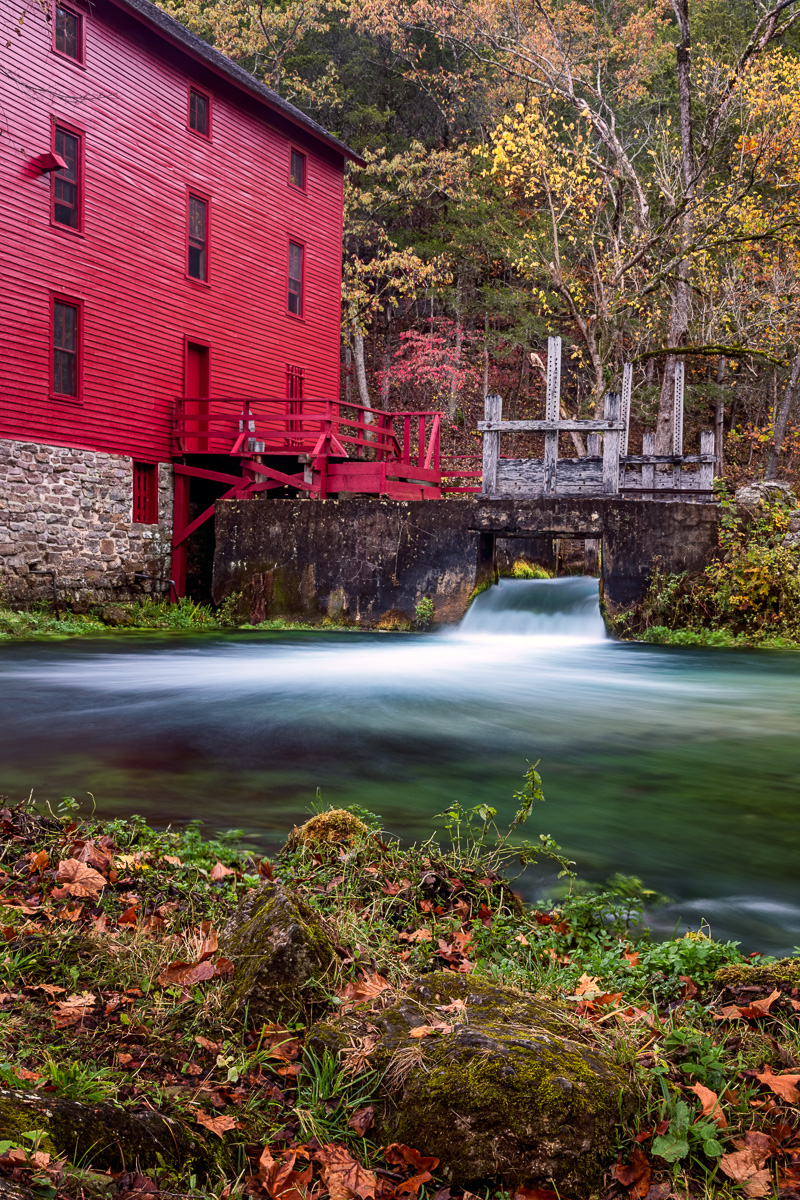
<point>594,445</point>
<point>496,425</point>
<point>640,459</point>
<point>677,420</point>
<point>493,412</point>
<point>625,412</point>
<point>707,444</point>
<point>611,445</point>
<point>648,453</point>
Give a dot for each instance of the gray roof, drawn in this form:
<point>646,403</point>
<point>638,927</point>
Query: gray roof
<point>178,34</point>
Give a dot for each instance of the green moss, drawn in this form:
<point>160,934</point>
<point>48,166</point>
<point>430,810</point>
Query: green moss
<point>785,972</point>
<point>336,827</point>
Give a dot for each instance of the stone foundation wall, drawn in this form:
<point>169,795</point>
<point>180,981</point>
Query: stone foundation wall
<point>70,511</point>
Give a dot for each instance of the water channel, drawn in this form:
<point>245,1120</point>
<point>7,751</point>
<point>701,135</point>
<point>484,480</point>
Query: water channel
<point>681,766</point>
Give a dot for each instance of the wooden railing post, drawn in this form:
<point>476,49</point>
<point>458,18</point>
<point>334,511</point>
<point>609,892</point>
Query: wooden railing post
<point>552,409</point>
<point>648,469</point>
<point>627,388</point>
<point>707,446</point>
<point>677,422</point>
<point>492,411</point>
<point>611,446</point>
<point>423,421</point>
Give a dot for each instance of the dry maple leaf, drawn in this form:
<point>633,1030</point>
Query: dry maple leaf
<point>636,1174</point>
<point>343,1176</point>
<point>219,871</point>
<point>784,1085</point>
<point>73,1009</point>
<point>364,988</point>
<point>218,1125</point>
<point>710,1103</point>
<point>746,1162</point>
<point>421,1031</point>
<point>362,1119</point>
<point>758,1008</point>
<point>78,879</point>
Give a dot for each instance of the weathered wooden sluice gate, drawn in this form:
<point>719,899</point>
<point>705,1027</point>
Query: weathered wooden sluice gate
<point>364,557</point>
<point>608,469</point>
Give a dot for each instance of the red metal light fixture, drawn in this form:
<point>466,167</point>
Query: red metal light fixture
<point>50,162</point>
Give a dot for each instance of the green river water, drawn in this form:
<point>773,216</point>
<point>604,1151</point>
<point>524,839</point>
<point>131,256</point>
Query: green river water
<point>678,765</point>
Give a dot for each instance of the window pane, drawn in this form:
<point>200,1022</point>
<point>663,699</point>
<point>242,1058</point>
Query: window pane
<point>66,181</point>
<point>297,171</point>
<point>295,279</point>
<point>68,33</point>
<point>65,349</point>
<point>198,112</point>
<point>198,219</point>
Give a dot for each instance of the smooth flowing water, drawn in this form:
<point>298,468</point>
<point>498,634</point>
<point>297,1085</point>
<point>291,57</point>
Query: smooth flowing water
<point>678,765</point>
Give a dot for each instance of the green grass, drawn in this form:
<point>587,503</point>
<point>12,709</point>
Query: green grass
<point>147,1040</point>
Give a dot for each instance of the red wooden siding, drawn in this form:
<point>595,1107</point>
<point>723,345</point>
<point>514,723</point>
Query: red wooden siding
<point>127,265</point>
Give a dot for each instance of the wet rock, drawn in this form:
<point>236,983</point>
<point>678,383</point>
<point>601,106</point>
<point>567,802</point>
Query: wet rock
<point>278,947</point>
<point>337,827</point>
<point>102,1135</point>
<point>784,973</point>
<point>510,1093</point>
<point>115,615</point>
<point>764,491</point>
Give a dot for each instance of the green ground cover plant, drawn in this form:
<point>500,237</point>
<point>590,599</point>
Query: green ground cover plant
<point>749,595</point>
<point>113,989</point>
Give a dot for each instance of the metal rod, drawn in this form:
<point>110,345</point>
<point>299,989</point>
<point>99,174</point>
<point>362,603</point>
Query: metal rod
<point>173,590</point>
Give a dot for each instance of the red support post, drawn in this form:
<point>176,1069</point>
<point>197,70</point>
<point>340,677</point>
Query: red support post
<point>423,421</point>
<point>180,519</point>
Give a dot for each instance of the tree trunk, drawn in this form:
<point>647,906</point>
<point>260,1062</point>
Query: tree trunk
<point>781,419</point>
<point>719,418</point>
<point>678,334</point>
<point>453,401</point>
<point>361,378</point>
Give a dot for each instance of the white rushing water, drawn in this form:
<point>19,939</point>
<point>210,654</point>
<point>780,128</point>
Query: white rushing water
<point>676,764</point>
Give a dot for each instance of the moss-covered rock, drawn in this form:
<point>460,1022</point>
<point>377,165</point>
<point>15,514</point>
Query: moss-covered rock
<point>337,827</point>
<point>511,1093</point>
<point>278,947</point>
<point>102,1135</point>
<point>784,973</point>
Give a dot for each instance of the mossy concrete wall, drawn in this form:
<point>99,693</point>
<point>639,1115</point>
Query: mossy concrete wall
<point>362,558</point>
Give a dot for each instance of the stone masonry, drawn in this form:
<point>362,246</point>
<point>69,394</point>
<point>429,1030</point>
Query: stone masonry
<point>70,511</point>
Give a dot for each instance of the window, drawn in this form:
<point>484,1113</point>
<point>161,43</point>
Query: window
<point>145,493</point>
<point>67,180</point>
<point>198,238</point>
<point>66,348</point>
<point>297,170</point>
<point>68,33</point>
<point>199,112</point>
<point>295,279</point>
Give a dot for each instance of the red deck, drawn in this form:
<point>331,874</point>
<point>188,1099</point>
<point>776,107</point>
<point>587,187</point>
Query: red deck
<point>335,448</point>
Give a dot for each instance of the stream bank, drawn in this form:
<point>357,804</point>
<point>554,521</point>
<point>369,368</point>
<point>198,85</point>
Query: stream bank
<point>118,995</point>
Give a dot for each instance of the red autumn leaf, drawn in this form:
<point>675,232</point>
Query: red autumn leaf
<point>219,871</point>
<point>362,1119</point>
<point>129,917</point>
<point>710,1103</point>
<point>218,1125</point>
<point>343,1176</point>
<point>758,1008</point>
<point>784,1085</point>
<point>631,957</point>
<point>365,988</point>
<point>689,989</point>
<point>78,879</point>
<point>636,1174</point>
<point>399,1155</point>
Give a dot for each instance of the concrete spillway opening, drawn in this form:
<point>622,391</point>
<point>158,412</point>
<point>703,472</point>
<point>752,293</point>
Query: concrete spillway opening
<point>557,610</point>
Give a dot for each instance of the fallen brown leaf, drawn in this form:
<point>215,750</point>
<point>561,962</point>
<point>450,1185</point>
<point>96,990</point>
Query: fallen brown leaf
<point>635,1174</point>
<point>710,1103</point>
<point>73,1009</point>
<point>362,1119</point>
<point>78,879</point>
<point>343,1176</point>
<point>784,1085</point>
<point>365,988</point>
<point>219,871</point>
<point>421,1031</point>
<point>218,1125</point>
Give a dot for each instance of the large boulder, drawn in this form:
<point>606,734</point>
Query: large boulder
<point>102,1135</point>
<point>512,1092</point>
<point>278,947</point>
<point>766,491</point>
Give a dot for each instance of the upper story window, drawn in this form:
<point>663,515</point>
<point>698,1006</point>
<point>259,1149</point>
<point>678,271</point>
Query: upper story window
<point>67,180</point>
<point>297,170</point>
<point>197,266</point>
<point>66,348</point>
<point>199,112</point>
<point>296,279</point>
<point>68,32</point>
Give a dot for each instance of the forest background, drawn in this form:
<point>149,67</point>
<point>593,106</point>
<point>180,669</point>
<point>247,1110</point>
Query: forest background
<point>626,175</point>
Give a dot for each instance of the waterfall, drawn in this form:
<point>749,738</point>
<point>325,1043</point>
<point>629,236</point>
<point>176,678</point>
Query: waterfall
<point>567,608</point>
